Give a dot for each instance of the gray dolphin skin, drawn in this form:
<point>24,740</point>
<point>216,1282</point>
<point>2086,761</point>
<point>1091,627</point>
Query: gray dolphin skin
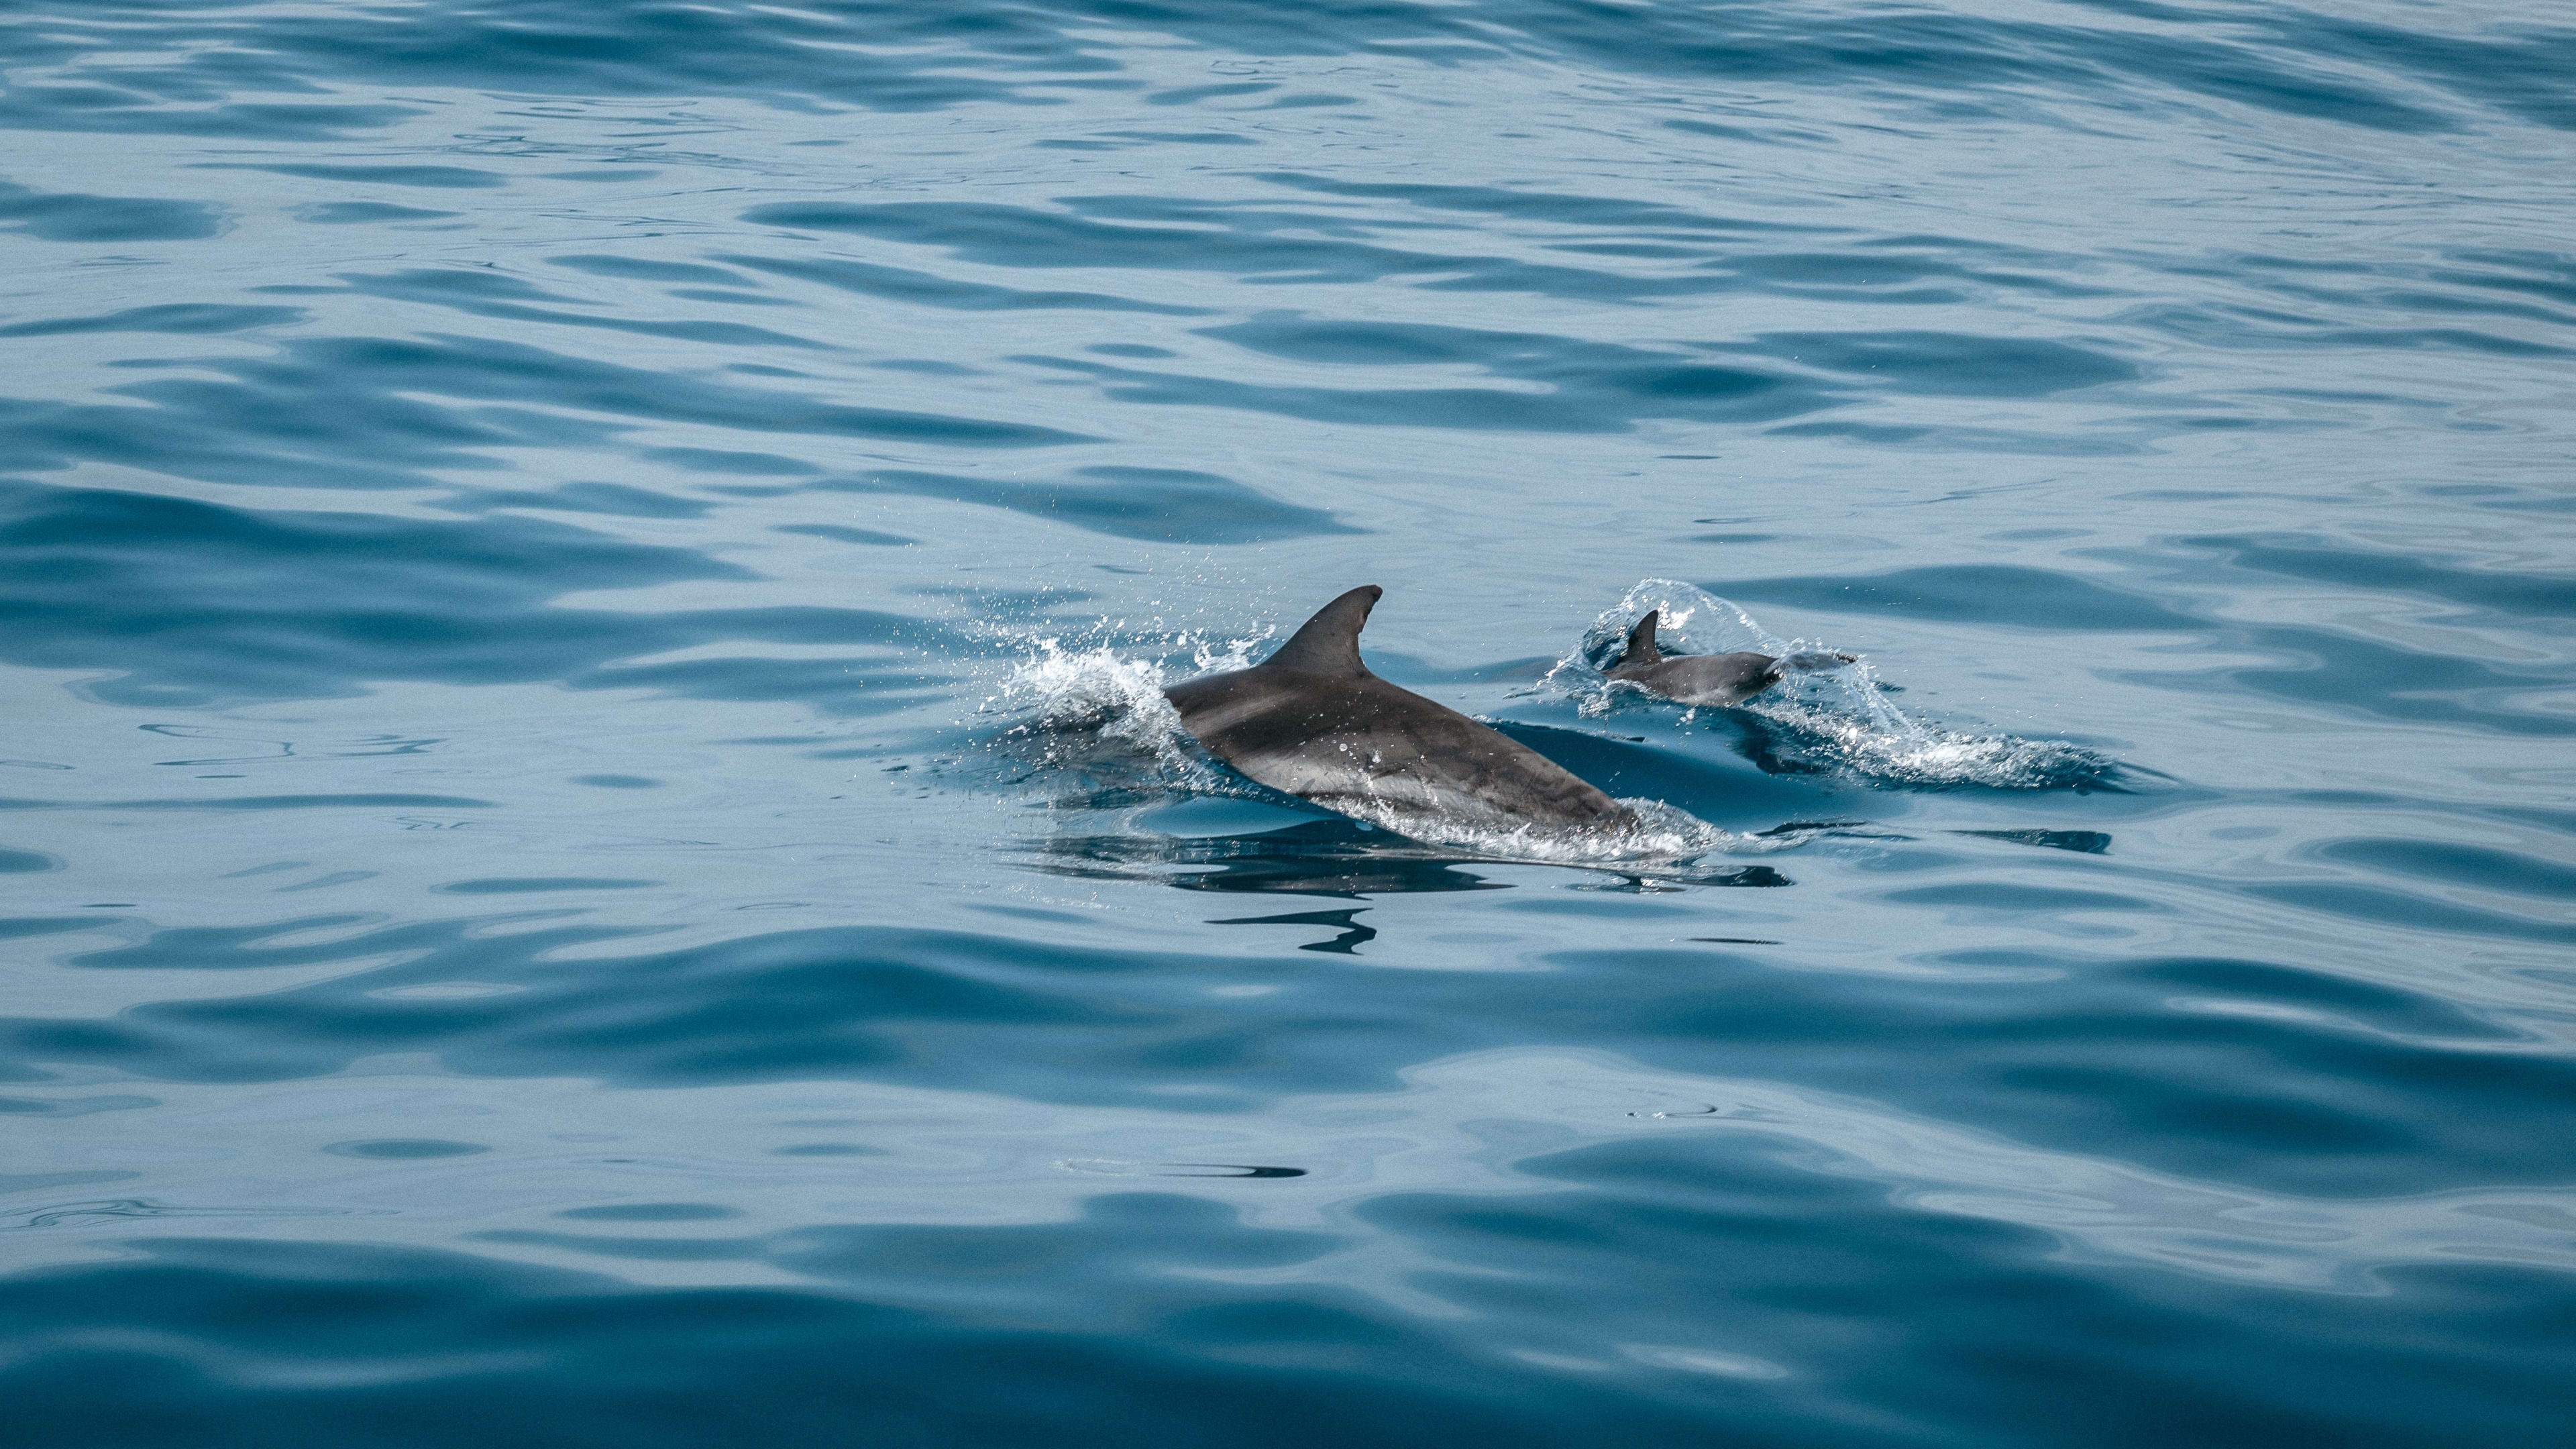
<point>1714,679</point>
<point>1312,721</point>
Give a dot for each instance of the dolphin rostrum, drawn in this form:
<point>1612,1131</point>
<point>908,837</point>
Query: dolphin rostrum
<point>1312,721</point>
<point>1718,679</point>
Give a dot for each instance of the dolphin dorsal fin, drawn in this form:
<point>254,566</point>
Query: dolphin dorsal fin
<point>1641,643</point>
<point>1329,643</point>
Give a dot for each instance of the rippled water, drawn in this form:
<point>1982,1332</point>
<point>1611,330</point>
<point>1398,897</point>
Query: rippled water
<point>589,858</point>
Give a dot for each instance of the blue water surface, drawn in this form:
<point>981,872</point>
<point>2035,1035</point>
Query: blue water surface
<point>586,856</point>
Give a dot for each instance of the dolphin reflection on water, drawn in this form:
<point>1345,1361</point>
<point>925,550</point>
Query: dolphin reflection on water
<point>1313,722</point>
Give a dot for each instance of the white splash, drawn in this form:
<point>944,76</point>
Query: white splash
<point>1837,715</point>
<point>1096,713</point>
<point>1087,707</point>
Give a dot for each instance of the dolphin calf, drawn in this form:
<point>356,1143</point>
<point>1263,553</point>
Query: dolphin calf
<point>1312,721</point>
<point>1719,679</point>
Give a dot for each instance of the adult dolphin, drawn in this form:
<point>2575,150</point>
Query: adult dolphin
<point>1719,679</point>
<point>1312,721</point>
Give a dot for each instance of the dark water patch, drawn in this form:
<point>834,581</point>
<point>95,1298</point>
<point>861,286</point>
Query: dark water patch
<point>1948,364</point>
<point>730,298</point>
<point>1158,234</point>
<point>1171,504</point>
<point>716,460</point>
<point>838,687</point>
<point>186,318</point>
<point>2240,1085</point>
<point>72,216</point>
<point>2255,1097</point>
<point>2378,905</point>
<point>783,1007</point>
<point>617,782</point>
<point>1559,208</point>
<point>153,586</point>
<point>871,57</point>
<point>1961,440</point>
<point>2370,678</point>
<point>1185,138</point>
<point>326,882</point>
<point>2354,72</point>
<point>1192,95</point>
<point>1929,56</point>
<point>2349,1003</point>
<point>615,499</point>
<point>2240,330</point>
<point>1918,278</point>
<point>150,586</point>
<point>984,1014</point>
<point>11,1183</point>
<point>404,1149</point>
<point>1984,594</point>
<point>925,289</point>
<point>491,294</point>
<point>627,1246</point>
<point>442,178</point>
<point>17,928</point>
<point>2547,275</point>
<point>1590,387</point>
<point>1307,1363</point>
<point>1228,1169</point>
<point>2524,597</point>
<point>651,1212</point>
<point>2477,866</point>
<point>1334,857</point>
<point>359,213</point>
<point>526,884</point>
<point>27,862</point>
<point>2082,842</point>
<point>2018,897</point>
<point>646,269</point>
<point>838,534</point>
<point>2517,69</point>
<point>262,802</point>
<point>93,1214</point>
<point>116,90</point>
<point>356,413</point>
<point>1832,1246</point>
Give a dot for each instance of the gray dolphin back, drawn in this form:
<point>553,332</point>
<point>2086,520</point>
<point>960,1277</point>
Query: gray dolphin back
<point>1311,720</point>
<point>1715,679</point>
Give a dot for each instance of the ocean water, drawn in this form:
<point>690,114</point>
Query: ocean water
<point>589,853</point>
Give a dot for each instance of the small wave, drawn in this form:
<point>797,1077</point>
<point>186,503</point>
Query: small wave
<point>1829,718</point>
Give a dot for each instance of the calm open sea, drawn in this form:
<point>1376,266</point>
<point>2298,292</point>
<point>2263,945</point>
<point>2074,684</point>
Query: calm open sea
<point>588,861</point>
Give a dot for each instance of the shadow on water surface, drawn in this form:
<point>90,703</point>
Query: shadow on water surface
<point>1334,857</point>
<point>1353,934</point>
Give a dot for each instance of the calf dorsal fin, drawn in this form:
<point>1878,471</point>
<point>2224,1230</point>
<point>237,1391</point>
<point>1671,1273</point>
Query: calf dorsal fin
<point>1641,643</point>
<point>1329,643</point>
